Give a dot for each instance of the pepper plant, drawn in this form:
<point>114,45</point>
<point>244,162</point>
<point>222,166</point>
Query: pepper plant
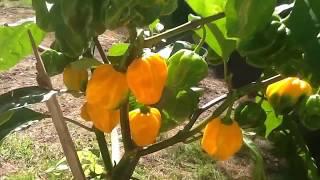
<point>148,92</point>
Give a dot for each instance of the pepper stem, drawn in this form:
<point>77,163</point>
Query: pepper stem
<point>227,119</point>
<point>144,109</point>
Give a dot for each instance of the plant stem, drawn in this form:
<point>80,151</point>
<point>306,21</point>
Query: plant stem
<point>101,51</point>
<point>230,98</point>
<point>204,34</point>
<point>125,127</point>
<point>90,129</point>
<point>104,150</point>
<point>149,42</point>
<point>205,107</point>
<point>126,166</point>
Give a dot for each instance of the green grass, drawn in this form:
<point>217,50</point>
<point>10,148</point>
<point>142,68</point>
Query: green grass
<point>181,162</point>
<point>32,159</point>
<point>17,148</point>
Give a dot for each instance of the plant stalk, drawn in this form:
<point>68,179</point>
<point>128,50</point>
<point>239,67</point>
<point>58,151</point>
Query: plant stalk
<point>125,127</point>
<point>149,42</point>
<point>104,150</point>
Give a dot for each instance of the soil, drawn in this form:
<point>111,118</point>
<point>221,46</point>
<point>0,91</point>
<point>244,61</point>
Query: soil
<point>24,74</point>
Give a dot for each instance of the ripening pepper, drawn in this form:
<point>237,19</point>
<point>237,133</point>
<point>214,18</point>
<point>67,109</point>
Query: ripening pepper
<point>221,141</point>
<point>107,87</point>
<point>75,79</point>
<point>186,69</point>
<point>309,112</point>
<point>102,118</point>
<point>146,78</point>
<point>284,94</point>
<point>144,125</point>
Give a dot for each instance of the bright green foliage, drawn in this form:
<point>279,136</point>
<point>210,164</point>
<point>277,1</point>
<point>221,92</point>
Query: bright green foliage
<point>15,44</point>
<point>245,17</point>
<point>216,36</point>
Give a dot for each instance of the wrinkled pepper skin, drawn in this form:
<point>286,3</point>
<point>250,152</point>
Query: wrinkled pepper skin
<point>144,127</point>
<point>284,94</point>
<point>103,119</point>
<point>221,141</point>
<point>310,112</point>
<point>146,78</point>
<point>75,79</point>
<point>107,87</point>
<point>186,69</point>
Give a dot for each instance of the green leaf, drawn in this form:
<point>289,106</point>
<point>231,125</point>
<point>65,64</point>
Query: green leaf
<point>18,118</point>
<point>85,63</point>
<point>304,24</point>
<point>216,36</point>
<point>15,43</point>
<point>22,97</point>
<point>54,62</point>
<point>4,117</point>
<point>118,49</point>
<point>246,17</point>
<point>273,121</point>
<point>258,170</point>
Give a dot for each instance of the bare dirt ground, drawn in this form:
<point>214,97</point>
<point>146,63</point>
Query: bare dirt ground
<point>43,133</point>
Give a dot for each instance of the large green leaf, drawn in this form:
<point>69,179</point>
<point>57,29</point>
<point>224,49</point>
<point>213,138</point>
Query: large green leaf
<point>22,97</point>
<point>273,121</point>
<point>216,36</point>
<point>15,44</point>
<point>18,117</point>
<point>245,17</point>
<point>304,23</point>
<point>55,62</point>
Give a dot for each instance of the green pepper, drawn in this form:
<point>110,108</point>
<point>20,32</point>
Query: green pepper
<point>176,107</point>
<point>249,114</point>
<point>185,69</point>
<point>310,112</point>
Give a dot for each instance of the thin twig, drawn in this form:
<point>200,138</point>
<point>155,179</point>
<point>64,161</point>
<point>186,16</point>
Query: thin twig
<point>57,117</point>
<point>149,42</point>
<point>205,107</point>
<point>101,51</point>
<point>79,124</point>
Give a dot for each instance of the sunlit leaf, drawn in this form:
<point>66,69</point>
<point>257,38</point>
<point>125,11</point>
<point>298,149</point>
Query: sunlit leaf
<point>22,97</point>
<point>245,17</point>
<point>216,36</point>
<point>118,49</point>
<point>15,43</point>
